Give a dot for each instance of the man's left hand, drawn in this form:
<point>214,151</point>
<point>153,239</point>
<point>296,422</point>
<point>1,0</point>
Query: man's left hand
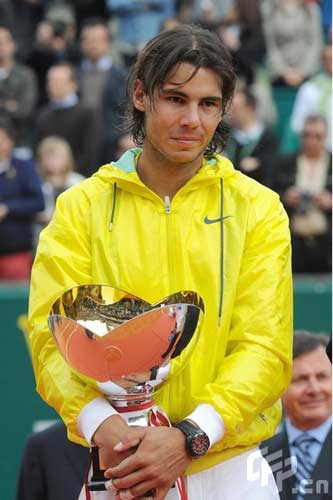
<point>160,458</point>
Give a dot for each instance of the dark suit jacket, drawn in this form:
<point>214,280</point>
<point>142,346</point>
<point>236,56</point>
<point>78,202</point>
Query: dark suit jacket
<point>78,125</point>
<point>52,468</point>
<point>322,470</point>
<point>264,150</point>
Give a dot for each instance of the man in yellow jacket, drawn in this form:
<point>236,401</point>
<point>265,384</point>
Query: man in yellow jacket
<point>170,216</point>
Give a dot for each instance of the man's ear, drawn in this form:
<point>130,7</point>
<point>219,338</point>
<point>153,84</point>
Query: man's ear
<point>139,96</point>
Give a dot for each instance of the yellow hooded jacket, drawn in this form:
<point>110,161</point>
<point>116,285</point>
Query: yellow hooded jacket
<point>224,236</point>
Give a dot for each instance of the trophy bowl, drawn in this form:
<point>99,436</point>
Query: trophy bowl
<point>124,345</point>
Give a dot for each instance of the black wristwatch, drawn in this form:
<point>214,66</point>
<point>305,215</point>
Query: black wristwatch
<point>196,440</point>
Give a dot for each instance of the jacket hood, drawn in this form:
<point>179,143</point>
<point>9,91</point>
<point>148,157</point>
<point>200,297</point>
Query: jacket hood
<point>124,171</point>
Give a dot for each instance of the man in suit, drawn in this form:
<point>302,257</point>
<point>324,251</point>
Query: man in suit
<point>301,454</point>
<point>252,145</point>
<point>67,117</point>
<point>52,468</point>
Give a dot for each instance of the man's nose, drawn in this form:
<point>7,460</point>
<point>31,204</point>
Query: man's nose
<point>313,385</point>
<point>191,116</point>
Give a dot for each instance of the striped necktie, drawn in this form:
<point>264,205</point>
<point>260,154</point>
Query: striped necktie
<point>304,463</point>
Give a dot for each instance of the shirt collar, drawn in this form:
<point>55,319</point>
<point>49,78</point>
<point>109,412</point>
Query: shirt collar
<point>251,134</point>
<point>103,64</point>
<point>68,102</point>
<point>4,73</point>
<point>319,433</point>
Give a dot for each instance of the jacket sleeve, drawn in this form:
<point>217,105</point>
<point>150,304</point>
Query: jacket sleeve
<point>31,199</point>
<point>62,261</point>
<point>257,368</point>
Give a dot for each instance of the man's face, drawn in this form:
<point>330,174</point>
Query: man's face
<point>313,138</point>
<point>6,145</point>
<point>7,45</point>
<point>308,400</point>
<point>237,109</point>
<point>60,83</point>
<point>184,115</point>
<point>95,42</point>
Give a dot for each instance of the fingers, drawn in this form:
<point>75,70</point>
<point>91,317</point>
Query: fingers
<point>127,445</point>
<point>132,440</point>
<point>126,467</point>
<point>161,493</point>
<point>129,481</point>
<point>141,490</point>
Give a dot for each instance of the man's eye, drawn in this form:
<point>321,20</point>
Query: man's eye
<point>175,98</point>
<point>210,104</point>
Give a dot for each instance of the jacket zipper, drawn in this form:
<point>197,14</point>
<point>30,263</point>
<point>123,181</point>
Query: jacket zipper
<point>167,204</point>
<point>170,242</point>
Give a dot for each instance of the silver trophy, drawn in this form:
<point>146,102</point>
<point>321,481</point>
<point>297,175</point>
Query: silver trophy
<point>124,345</point>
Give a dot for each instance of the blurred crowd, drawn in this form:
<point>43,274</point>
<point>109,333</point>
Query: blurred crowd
<point>63,68</point>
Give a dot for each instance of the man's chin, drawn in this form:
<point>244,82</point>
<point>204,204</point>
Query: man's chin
<point>185,157</point>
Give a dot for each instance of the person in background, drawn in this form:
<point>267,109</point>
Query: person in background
<point>293,39</point>
<point>102,85</point>
<point>315,97</point>
<point>139,20</point>
<point>20,199</point>
<point>56,168</point>
<point>304,181</point>
<point>294,42</point>
<point>98,61</point>
<point>66,117</point>
<point>307,431</point>
<point>242,32</point>
<point>252,146</point>
<point>18,92</point>
<point>51,467</point>
<point>53,44</point>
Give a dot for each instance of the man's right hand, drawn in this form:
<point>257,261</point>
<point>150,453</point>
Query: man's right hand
<point>292,197</point>
<point>112,431</point>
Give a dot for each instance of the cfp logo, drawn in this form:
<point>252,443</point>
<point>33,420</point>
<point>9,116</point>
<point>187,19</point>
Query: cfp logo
<point>259,470</point>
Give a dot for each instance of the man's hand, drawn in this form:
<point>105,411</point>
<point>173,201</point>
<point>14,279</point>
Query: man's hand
<point>113,430</point>
<point>292,197</point>
<point>249,164</point>
<point>323,200</point>
<point>160,458</point>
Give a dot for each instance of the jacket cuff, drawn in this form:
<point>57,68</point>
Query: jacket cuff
<point>211,422</point>
<point>92,416</point>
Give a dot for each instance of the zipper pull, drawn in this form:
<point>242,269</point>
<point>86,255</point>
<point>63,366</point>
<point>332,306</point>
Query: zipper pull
<point>167,204</point>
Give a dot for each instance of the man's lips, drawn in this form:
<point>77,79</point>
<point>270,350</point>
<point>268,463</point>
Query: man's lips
<point>313,403</point>
<point>186,139</point>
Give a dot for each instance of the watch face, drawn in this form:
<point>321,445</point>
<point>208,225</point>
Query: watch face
<point>199,444</point>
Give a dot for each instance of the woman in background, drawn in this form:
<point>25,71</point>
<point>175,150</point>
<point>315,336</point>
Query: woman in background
<point>56,169</point>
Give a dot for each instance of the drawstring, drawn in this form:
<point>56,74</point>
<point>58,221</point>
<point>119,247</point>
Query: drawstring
<point>113,205</point>
<point>221,254</point>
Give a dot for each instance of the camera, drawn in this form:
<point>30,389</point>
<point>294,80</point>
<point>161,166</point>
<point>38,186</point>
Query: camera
<point>305,203</point>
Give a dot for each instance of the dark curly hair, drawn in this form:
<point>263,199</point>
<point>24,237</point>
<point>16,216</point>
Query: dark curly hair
<point>190,44</point>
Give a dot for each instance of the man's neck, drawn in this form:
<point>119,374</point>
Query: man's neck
<point>6,64</point>
<point>162,176</point>
<point>314,155</point>
<point>247,123</point>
